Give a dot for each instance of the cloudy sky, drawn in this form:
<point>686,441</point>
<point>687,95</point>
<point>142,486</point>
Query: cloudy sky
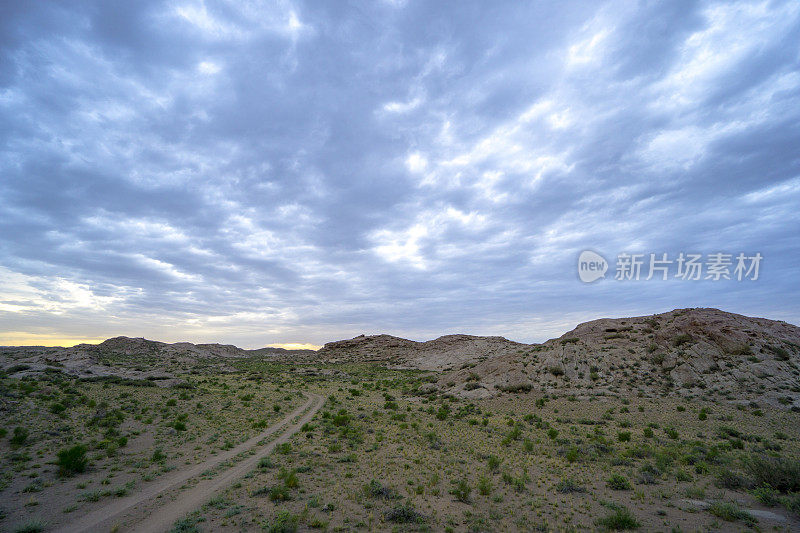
<point>275,172</point>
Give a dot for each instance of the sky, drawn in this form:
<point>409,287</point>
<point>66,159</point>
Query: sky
<point>272,173</point>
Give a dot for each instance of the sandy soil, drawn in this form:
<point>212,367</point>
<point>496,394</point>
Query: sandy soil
<point>145,510</point>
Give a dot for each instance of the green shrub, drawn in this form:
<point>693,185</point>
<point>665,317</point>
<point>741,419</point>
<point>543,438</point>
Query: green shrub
<point>624,436</point>
<point>768,496</point>
<point>285,522</point>
<point>778,473</point>
<point>618,482</point>
<point>279,493</point>
<point>461,491</point>
<point>289,478</point>
<point>681,339</point>
<point>404,514</point>
<point>33,525</point>
<point>731,512</point>
<point>72,460</point>
<point>376,490</point>
<point>620,519</point>
<point>19,437</point>
<point>568,486</point>
<point>484,486</point>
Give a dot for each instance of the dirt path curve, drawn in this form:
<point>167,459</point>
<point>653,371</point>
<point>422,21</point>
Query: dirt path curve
<point>126,512</point>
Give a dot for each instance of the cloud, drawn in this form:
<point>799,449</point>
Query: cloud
<point>272,173</point>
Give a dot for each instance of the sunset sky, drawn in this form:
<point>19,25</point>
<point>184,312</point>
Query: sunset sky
<point>261,173</point>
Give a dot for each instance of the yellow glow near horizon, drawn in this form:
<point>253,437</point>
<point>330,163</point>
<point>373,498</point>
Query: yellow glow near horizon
<point>295,346</point>
<point>20,338</point>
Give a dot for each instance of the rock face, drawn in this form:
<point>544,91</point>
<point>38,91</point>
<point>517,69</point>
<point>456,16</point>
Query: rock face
<point>445,353</point>
<point>691,352</point>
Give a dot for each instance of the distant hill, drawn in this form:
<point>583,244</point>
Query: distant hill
<point>685,352</point>
<point>133,358</point>
<point>689,352</point>
<point>445,353</point>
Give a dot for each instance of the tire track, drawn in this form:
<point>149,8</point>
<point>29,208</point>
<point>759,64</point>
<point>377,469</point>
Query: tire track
<point>126,512</point>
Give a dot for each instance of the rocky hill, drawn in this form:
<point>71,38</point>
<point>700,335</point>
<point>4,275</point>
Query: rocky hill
<point>689,352</point>
<point>444,353</point>
<point>685,352</point>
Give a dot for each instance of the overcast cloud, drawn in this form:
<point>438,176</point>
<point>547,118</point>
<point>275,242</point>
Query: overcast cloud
<point>276,172</point>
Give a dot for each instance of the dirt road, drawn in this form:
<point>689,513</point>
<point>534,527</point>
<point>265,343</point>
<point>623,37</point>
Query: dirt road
<point>146,510</point>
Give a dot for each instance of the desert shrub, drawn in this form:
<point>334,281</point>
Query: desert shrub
<point>493,462</point>
<point>741,349</point>
<point>671,433</point>
<point>285,522</point>
<point>19,437</point>
<point>289,478</point>
<point>620,519</point>
<point>552,433</point>
<point>792,503</point>
<point>461,491</point>
<point>404,514</point>
<point>624,436</point>
<point>728,479</point>
<point>376,490</point>
<point>618,482</point>
<point>341,419</point>
<point>766,495</point>
<point>570,340</point>
<point>572,454</point>
<point>780,353</point>
<point>648,474</point>
<point>284,448</point>
<point>568,486</point>
<point>33,525</point>
<point>72,460</point>
<point>681,339</point>
<point>278,493</point>
<point>731,512</point>
<point>157,456</point>
<point>265,463</point>
<point>778,473</point>
<point>517,388</point>
<point>484,486</point>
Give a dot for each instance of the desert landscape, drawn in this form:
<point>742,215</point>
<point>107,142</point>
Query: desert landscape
<point>680,421</point>
<point>399,266</point>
